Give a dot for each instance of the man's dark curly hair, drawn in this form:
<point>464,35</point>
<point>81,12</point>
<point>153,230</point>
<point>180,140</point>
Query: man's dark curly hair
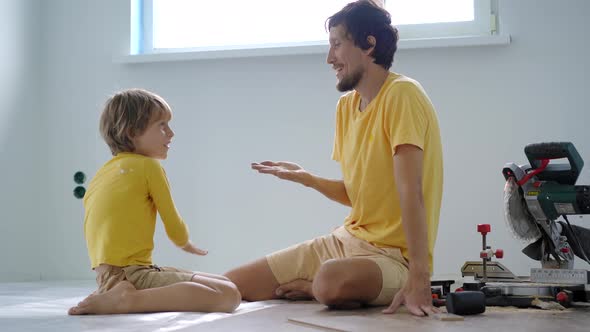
<point>363,18</point>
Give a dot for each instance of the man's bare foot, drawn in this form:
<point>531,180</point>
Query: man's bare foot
<point>111,302</point>
<point>296,290</point>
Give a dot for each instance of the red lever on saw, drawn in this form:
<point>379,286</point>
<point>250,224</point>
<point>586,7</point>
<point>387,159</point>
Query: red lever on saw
<point>544,163</point>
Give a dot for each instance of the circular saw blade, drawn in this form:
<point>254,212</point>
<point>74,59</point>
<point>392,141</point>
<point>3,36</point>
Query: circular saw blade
<point>518,219</point>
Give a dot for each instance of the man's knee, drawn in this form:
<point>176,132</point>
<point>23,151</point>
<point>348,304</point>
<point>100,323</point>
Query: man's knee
<point>330,283</point>
<point>340,281</point>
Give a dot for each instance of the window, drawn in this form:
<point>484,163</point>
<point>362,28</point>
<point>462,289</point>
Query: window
<point>162,26</point>
<point>448,18</point>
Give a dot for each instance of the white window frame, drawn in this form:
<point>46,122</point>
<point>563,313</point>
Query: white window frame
<point>481,31</point>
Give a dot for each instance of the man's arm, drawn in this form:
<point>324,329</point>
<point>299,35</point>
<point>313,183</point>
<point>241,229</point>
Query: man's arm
<point>333,189</point>
<point>416,294</point>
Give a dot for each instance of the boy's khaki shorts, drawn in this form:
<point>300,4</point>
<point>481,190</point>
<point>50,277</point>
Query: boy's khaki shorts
<point>303,260</point>
<point>142,277</point>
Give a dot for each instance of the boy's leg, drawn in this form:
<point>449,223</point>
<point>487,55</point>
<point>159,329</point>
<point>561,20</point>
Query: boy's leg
<point>203,294</point>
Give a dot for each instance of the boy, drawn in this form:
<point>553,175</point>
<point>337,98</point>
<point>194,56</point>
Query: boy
<point>120,216</point>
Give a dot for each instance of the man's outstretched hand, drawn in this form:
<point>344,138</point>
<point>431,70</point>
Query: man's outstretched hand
<point>416,295</point>
<point>284,170</point>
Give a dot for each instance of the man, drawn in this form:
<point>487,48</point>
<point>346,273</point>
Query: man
<point>388,144</point>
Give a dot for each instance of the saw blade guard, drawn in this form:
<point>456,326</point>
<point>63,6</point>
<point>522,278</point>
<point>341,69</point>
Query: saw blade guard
<point>520,222</point>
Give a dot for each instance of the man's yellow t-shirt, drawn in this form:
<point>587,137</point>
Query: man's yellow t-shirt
<point>365,143</point>
<point>120,211</point>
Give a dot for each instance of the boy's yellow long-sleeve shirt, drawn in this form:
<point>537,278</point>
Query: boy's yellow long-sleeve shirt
<point>120,211</point>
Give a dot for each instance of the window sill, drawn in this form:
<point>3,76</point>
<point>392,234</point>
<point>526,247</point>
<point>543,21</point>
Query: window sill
<point>304,48</point>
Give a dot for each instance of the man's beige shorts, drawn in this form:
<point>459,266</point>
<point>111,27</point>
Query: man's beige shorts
<point>303,260</point>
<point>142,277</point>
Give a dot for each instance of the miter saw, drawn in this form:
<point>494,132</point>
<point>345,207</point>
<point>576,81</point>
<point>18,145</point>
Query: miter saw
<point>535,196</point>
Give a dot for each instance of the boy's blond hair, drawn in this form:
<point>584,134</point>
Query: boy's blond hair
<point>128,114</point>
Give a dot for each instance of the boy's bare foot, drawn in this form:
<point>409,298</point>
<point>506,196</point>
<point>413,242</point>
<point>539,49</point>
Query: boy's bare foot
<point>111,302</point>
<point>296,290</point>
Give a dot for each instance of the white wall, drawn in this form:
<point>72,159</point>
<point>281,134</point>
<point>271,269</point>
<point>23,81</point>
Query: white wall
<point>491,102</point>
<point>19,140</point>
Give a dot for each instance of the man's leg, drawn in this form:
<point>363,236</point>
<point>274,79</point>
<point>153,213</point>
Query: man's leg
<point>298,289</point>
<point>286,273</point>
<point>348,282</point>
<point>203,294</point>
<point>255,281</point>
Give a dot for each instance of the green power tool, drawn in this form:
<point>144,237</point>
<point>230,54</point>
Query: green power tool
<point>537,196</point>
<point>539,193</point>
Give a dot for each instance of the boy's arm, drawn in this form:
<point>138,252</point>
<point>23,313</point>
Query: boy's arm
<point>333,189</point>
<point>160,193</point>
<point>416,294</point>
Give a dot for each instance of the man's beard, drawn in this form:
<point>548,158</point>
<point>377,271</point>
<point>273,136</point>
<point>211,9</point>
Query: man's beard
<point>350,82</point>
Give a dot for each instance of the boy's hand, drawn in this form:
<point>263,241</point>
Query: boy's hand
<point>191,249</point>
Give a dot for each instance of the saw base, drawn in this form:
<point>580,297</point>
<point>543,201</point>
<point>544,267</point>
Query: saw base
<point>504,288</point>
<point>561,276</point>
<point>524,294</point>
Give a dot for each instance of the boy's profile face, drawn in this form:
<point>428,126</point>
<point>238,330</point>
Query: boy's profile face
<point>155,141</point>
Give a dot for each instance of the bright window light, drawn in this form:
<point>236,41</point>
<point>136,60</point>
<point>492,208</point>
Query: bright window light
<point>194,25</point>
<point>429,11</point>
<point>197,23</point>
